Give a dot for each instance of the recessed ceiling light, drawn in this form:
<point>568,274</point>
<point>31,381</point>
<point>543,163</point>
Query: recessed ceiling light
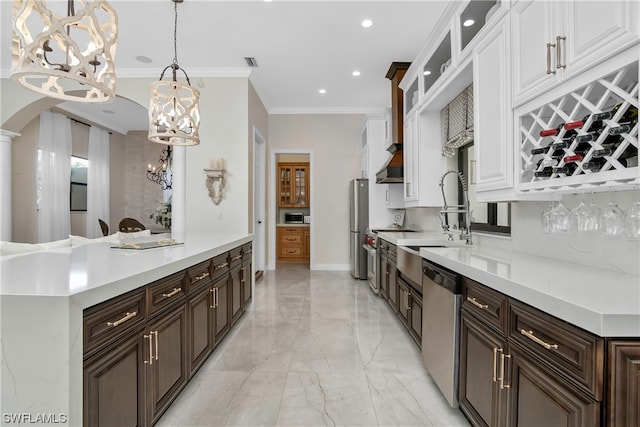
<point>427,73</point>
<point>468,22</point>
<point>322,91</point>
<point>367,23</point>
<point>356,73</point>
<point>144,59</point>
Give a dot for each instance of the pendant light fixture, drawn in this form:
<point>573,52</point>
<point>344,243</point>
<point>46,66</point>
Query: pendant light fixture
<point>68,56</point>
<point>174,114</point>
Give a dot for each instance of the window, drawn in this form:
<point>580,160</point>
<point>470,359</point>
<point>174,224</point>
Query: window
<point>486,217</point>
<point>79,167</point>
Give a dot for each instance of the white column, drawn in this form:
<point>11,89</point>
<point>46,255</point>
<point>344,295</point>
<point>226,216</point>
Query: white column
<point>179,190</point>
<point>6,138</point>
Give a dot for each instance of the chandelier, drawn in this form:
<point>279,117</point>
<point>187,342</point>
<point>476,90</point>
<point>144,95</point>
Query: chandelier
<point>68,56</point>
<point>174,115</point>
<point>162,174</point>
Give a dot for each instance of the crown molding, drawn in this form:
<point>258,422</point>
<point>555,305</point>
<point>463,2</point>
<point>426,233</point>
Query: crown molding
<point>327,110</point>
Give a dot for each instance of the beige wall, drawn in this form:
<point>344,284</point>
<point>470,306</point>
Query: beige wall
<point>24,209</point>
<point>335,143</point>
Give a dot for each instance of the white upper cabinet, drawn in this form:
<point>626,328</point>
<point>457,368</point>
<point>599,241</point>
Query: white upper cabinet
<point>554,40</point>
<point>493,116</point>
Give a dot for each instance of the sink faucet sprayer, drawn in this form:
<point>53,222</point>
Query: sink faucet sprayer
<point>464,209</point>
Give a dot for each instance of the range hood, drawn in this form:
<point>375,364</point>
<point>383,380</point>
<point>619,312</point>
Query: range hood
<point>393,171</point>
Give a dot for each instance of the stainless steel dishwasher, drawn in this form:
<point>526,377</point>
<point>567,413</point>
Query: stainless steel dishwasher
<point>440,327</point>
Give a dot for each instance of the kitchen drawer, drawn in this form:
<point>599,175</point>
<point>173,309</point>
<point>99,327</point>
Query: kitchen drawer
<point>291,239</point>
<point>247,250</point>
<point>107,321</point>
<point>220,265</point>
<point>235,257</point>
<point>287,251</point>
<point>574,353</point>
<point>485,303</point>
<point>198,276</point>
<point>165,292</point>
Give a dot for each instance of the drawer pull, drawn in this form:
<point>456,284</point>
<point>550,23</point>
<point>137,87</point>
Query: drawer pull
<point>236,258</point>
<point>172,293</point>
<point>201,276</point>
<point>290,239</point>
<point>248,252</point>
<point>529,334</point>
<point>477,304</point>
<point>223,265</point>
<point>126,317</point>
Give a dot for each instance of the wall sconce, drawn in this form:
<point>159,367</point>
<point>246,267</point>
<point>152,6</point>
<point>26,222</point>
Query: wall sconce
<point>215,179</point>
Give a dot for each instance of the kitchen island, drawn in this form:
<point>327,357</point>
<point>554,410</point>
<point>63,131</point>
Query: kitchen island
<point>43,296</point>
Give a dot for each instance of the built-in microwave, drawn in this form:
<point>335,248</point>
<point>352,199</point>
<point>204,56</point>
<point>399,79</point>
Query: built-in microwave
<point>294,218</point>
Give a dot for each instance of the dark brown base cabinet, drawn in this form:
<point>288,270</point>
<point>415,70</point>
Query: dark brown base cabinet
<point>522,367</point>
<point>410,310</point>
<point>142,348</point>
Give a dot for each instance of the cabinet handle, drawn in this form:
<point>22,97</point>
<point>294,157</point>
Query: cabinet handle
<point>549,70</point>
<point>503,370</point>
<point>475,302</point>
<point>495,360</point>
<point>172,293</point>
<point>223,265</point>
<point>126,317</point>
<point>155,333</point>
<point>559,52</point>
<point>248,252</point>
<point>237,257</point>
<point>150,362</point>
<point>212,291</point>
<point>529,334</point>
<point>200,277</point>
<point>216,289</point>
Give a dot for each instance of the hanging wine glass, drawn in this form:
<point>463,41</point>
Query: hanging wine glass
<point>611,220</point>
<point>546,218</point>
<point>560,219</point>
<point>580,217</point>
<point>632,221</point>
<point>595,214</point>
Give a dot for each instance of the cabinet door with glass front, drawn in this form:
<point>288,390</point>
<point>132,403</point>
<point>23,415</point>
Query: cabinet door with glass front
<point>293,185</point>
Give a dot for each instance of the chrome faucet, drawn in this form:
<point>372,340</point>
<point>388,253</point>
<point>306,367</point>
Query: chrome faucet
<point>465,233</point>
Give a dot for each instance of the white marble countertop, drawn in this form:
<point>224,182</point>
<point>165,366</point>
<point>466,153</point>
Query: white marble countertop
<point>420,238</point>
<point>604,302</point>
<point>284,224</point>
<point>601,301</point>
<point>95,272</point>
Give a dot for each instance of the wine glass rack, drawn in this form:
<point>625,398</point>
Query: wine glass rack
<point>616,92</point>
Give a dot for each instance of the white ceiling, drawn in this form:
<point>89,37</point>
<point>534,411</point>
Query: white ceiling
<point>301,46</point>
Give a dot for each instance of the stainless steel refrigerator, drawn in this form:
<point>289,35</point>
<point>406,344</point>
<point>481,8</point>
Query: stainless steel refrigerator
<point>358,223</point>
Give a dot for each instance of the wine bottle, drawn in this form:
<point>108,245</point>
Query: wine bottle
<point>557,154</point>
<point>567,169</point>
<point>595,124</point>
<point>544,173</point>
<point>629,115</point>
<point>573,158</point>
<point>622,128</point>
<point>564,143</point>
<point>594,165</point>
<point>591,136</point>
<point>608,150</point>
<point>540,150</point>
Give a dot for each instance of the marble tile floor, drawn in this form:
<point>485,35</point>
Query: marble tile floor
<point>315,348</point>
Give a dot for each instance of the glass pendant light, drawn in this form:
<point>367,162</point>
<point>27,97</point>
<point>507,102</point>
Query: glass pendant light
<point>174,114</point>
<point>68,56</point>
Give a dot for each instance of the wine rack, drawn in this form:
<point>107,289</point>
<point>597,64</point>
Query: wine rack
<point>615,92</point>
